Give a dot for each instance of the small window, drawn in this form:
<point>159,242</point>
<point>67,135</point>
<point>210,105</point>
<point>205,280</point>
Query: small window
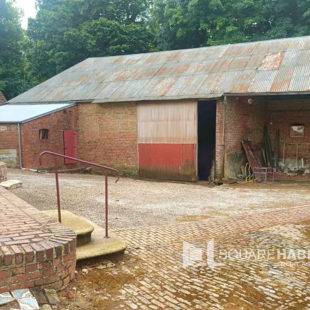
<point>43,134</point>
<point>297,130</point>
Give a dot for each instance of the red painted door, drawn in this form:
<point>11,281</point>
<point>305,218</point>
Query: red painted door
<point>70,143</point>
<point>167,137</point>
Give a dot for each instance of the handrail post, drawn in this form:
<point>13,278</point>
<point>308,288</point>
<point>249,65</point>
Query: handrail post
<point>106,170</point>
<point>57,189</point>
<point>106,205</point>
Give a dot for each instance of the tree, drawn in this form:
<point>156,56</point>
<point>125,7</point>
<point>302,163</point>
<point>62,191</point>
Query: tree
<point>194,23</point>
<point>11,58</point>
<point>66,32</point>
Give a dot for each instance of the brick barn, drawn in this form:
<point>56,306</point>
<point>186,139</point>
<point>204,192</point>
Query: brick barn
<point>183,114</point>
<point>2,98</point>
<point>28,129</point>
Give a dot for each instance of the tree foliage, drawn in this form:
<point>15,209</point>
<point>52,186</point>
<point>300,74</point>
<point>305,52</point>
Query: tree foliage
<point>11,57</point>
<point>66,32</point>
<point>193,23</point>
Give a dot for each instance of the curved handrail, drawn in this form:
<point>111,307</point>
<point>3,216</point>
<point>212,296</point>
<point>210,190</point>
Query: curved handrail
<point>106,169</point>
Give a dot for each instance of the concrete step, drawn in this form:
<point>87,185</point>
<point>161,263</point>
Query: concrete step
<point>82,228</point>
<point>97,244</point>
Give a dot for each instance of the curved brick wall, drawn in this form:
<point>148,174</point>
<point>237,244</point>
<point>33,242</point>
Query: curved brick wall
<point>34,249</point>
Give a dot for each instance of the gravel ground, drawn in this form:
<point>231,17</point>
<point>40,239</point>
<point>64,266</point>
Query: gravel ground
<point>139,202</point>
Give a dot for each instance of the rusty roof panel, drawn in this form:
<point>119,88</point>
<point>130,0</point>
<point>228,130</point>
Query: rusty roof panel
<point>242,82</point>
<point>272,61</point>
<point>237,50</point>
<point>210,84</point>
<point>301,79</point>
<point>282,80</point>
<point>255,61</point>
<point>262,81</point>
<point>290,58</point>
<point>303,58</point>
<point>258,67</point>
<point>239,63</point>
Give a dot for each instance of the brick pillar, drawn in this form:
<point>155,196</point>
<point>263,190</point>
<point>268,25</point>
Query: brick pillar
<point>220,140</point>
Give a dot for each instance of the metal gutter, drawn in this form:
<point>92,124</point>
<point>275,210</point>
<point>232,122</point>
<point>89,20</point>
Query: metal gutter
<point>166,98</point>
<point>224,133</point>
<point>265,94</point>
<point>20,149</point>
<point>48,102</point>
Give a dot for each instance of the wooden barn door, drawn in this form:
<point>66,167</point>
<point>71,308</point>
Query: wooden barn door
<point>70,144</point>
<point>167,140</point>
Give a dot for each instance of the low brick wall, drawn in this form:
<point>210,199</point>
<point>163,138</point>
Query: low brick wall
<point>35,251</point>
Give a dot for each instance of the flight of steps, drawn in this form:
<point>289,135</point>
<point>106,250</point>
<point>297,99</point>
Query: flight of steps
<point>91,241</point>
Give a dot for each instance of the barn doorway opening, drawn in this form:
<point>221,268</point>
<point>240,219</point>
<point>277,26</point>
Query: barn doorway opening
<point>206,138</point>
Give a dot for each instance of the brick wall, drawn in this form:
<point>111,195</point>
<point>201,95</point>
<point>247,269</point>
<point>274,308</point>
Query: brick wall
<point>281,115</point>
<point>9,144</point>
<point>52,268</point>
<point>246,121</point>
<point>35,250</point>
<point>2,98</point>
<point>237,121</point>
<point>219,139</point>
<point>32,145</point>
<point>108,134</point>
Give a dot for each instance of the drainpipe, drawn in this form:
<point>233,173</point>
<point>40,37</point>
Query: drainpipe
<point>20,146</point>
<point>224,133</point>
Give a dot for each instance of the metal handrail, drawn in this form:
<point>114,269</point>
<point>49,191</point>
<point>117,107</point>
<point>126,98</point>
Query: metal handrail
<point>106,170</point>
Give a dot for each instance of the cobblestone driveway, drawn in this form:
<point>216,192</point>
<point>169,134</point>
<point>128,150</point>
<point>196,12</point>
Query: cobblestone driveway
<point>160,217</point>
<point>153,276</point>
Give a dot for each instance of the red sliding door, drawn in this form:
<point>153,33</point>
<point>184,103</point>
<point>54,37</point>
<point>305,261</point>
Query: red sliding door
<point>167,135</point>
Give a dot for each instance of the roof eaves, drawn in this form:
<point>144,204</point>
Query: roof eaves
<point>39,116</point>
<point>47,113</point>
<point>168,98</point>
<point>47,102</point>
<point>252,94</point>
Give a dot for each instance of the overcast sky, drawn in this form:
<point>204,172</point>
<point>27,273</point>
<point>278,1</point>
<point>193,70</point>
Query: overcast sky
<point>28,7</point>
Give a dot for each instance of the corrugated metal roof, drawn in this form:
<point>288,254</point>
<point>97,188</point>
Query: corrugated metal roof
<point>276,66</point>
<point>21,113</point>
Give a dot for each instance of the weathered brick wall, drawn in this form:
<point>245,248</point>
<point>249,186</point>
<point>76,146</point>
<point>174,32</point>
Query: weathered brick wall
<point>51,268</point>
<point>2,99</point>
<point>246,121</point>
<point>34,249</point>
<point>281,115</point>
<point>32,145</point>
<point>237,121</point>
<point>108,134</point>
<point>219,140</point>
<point>9,144</point>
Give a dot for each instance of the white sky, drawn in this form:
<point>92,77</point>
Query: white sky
<point>28,6</point>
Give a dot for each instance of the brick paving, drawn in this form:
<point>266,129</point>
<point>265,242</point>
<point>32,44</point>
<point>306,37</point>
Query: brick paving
<point>160,281</point>
<point>152,275</point>
<point>34,249</point>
